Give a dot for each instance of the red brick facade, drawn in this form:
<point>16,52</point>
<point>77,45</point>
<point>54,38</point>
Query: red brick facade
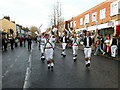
<point>105,5</point>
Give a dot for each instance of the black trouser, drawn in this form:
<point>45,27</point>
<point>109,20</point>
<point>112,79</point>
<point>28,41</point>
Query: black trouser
<point>24,43</point>
<point>15,44</point>
<point>12,46</point>
<point>119,51</point>
<point>5,46</point>
<point>29,46</point>
<point>102,46</point>
<point>39,45</point>
<point>21,44</point>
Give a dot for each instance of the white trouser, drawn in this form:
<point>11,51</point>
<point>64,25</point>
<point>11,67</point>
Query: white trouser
<point>53,44</point>
<point>49,56</point>
<point>87,52</point>
<point>75,50</point>
<point>64,45</point>
<point>113,50</point>
<point>42,48</point>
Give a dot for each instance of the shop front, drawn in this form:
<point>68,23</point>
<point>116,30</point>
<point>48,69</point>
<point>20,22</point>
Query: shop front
<point>106,32</point>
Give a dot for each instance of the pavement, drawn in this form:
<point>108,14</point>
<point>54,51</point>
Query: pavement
<point>24,69</point>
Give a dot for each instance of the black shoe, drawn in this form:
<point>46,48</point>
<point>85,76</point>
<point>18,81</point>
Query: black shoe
<point>51,68</point>
<point>88,65</point>
<point>64,55</point>
<point>42,58</point>
<point>48,67</point>
<point>75,60</point>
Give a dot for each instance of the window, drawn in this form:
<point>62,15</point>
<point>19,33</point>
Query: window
<point>94,16</point>
<point>86,18</point>
<point>74,23</point>
<point>81,21</point>
<point>71,24</point>
<point>114,9</point>
<point>102,13</point>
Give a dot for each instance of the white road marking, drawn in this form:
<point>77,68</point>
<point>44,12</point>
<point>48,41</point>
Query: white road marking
<point>28,72</point>
<point>6,73</point>
<point>29,58</point>
<point>16,59</point>
<point>27,78</point>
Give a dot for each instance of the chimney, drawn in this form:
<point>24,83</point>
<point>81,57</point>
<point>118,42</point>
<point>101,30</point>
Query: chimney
<point>7,17</point>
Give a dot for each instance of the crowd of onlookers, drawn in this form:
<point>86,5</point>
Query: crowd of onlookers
<point>107,45</point>
<point>15,42</point>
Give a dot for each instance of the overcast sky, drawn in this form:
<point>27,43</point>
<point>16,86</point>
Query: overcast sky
<point>36,12</point>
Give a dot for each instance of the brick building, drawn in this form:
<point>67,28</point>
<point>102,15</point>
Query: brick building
<point>10,29</point>
<point>107,14</point>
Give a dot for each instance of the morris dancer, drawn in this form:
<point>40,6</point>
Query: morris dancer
<point>114,44</point>
<point>64,41</point>
<point>49,51</point>
<point>87,46</point>
<point>42,43</point>
<point>75,45</point>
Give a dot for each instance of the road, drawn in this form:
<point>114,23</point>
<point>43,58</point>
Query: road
<point>103,72</point>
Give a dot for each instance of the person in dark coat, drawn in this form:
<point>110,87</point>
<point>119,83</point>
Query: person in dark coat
<point>24,39</point>
<point>12,43</point>
<point>16,41</point>
<point>29,42</point>
<point>4,42</point>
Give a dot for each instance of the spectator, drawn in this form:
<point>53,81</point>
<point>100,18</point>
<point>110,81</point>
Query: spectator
<point>107,47</point>
<point>12,43</point>
<point>4,43</point>
<point>98,47</point>
<point>29,42</point>
<point>102,42</point>
<point>16,41</point>
<point>20,41</point>
<point>119,45</point>
<point>24,39</point>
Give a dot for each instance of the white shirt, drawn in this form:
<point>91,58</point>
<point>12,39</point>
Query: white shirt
<point>50,41</point>
<point>77,41</point>
<point>42,40</point>
<point>64,39</point>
